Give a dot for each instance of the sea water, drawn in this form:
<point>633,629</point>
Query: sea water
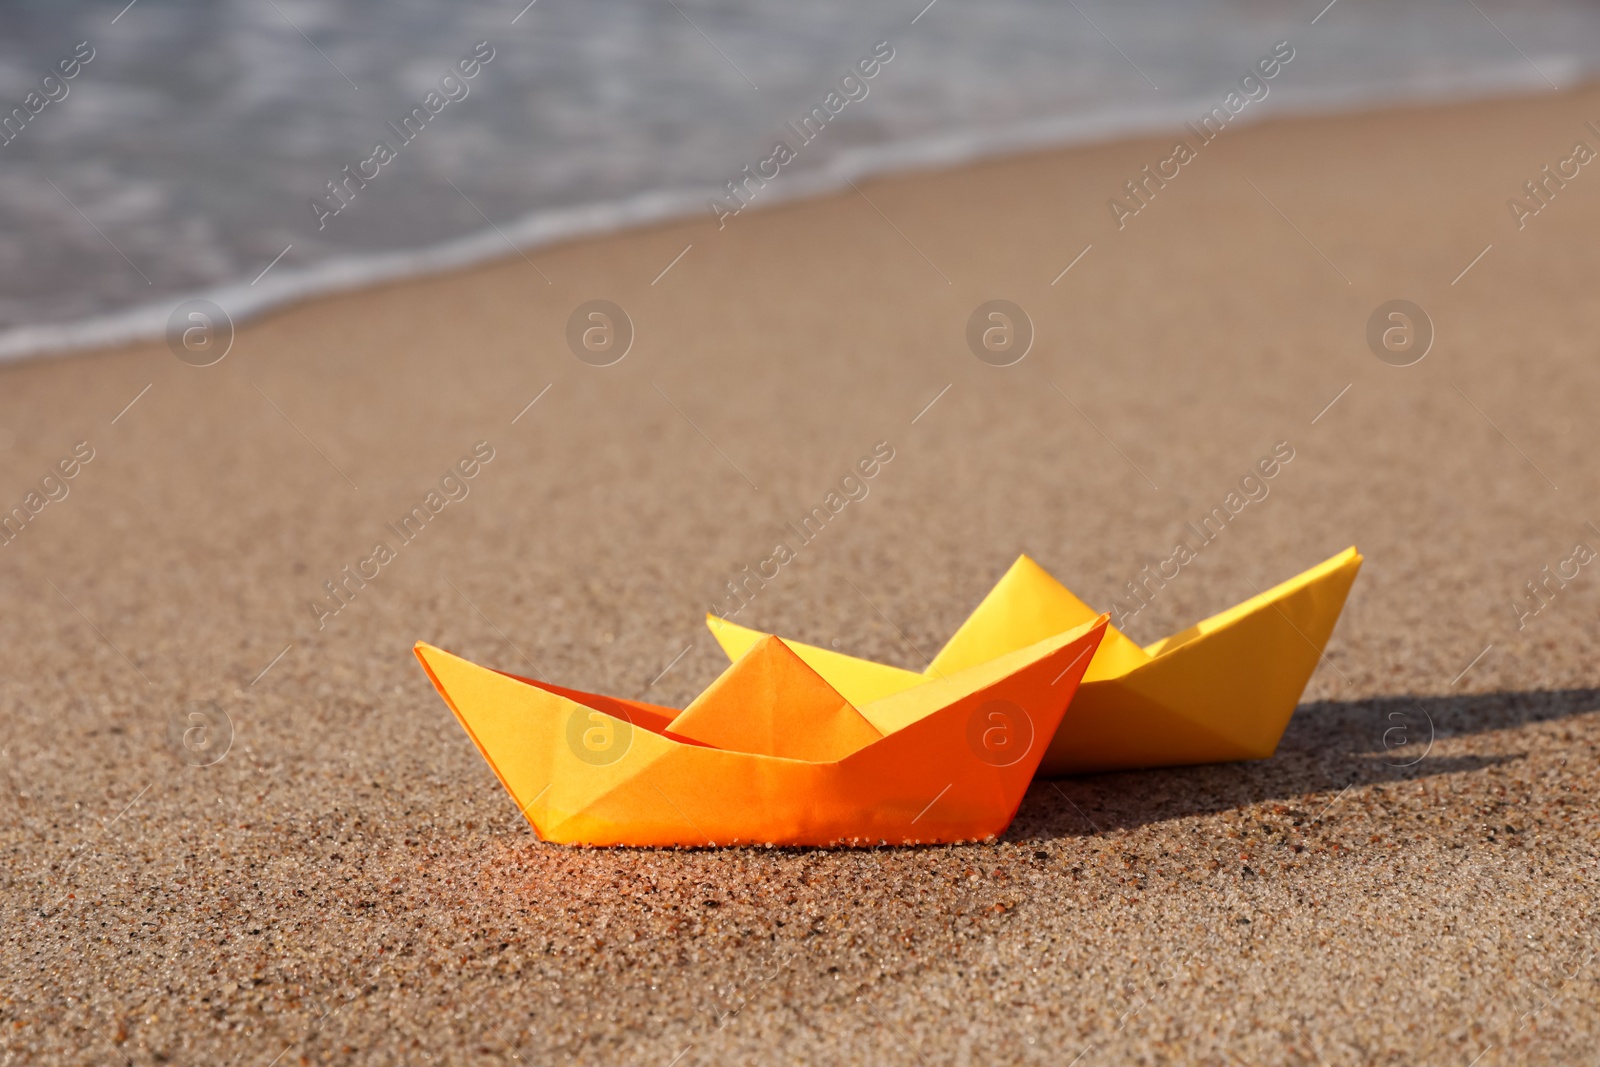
<point>188,155</point>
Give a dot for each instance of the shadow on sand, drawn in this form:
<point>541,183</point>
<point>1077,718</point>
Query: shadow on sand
<point>1328,746</point>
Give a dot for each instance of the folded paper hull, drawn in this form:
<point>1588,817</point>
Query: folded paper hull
<point>1222,691</point>
<point>928,781</point>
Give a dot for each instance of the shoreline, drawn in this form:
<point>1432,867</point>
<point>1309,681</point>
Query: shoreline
<point>282,286</point>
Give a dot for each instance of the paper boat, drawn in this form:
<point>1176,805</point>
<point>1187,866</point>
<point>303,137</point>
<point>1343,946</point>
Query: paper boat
<point>771,753</point>
<point>1221,690</point>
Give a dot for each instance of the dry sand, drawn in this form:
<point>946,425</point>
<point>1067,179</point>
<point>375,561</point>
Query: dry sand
<point>349,883</point>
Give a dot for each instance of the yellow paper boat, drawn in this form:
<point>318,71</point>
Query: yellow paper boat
<point>1221,690</point>
<point>771,753</point>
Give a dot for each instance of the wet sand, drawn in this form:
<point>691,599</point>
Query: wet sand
<point>1410,878</point>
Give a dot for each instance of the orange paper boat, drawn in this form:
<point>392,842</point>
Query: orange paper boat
<point>770,753</point>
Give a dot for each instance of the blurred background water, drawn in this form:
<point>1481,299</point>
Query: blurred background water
<point>184,156</point>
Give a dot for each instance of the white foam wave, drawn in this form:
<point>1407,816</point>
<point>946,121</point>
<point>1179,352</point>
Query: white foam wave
<point>541,228</point>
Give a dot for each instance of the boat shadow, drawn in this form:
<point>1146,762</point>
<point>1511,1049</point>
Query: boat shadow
<point>1328,746</point>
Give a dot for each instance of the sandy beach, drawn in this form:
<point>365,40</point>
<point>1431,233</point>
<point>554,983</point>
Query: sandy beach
<point>1410,879</point>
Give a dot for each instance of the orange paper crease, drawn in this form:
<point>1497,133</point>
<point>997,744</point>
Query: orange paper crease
<point>772,753</point>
